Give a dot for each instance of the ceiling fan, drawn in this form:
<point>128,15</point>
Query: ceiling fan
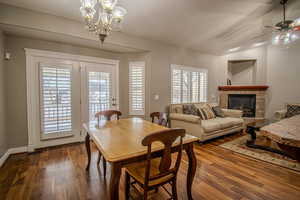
<point>285,31</point>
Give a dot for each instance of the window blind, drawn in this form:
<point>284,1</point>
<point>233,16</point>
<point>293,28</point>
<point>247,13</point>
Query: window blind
<point>137,88</point>
<point>99,86</point>
<point>188,84</point>
<point>55,99</point>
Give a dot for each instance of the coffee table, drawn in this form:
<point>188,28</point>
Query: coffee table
<point>256,126</point>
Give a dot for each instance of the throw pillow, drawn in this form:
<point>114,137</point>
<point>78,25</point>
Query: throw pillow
<point>190,109</point>
<point>218,111</point>
<point>202,114</point>
<point>292,110</point>
<point>206,112</point>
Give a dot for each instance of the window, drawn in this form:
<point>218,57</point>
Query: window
<point>188,84</point>
<point>55,99</point>
<point>136,88</point>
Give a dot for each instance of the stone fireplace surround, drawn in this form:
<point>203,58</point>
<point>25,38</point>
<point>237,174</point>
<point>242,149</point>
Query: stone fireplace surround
<point>258,90</point>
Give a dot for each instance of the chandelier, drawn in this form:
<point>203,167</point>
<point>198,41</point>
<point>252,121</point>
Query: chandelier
<point>102,16</point>
<point>286,31</point>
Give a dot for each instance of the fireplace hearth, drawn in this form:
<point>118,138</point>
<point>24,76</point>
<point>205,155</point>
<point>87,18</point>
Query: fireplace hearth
<point>244,102</point>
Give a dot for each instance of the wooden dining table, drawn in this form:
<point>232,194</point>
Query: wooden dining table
<point>119,142</point>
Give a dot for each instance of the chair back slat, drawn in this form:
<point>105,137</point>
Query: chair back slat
<point>161,118</point>
<point>108,114</point>
<point>167,138</point>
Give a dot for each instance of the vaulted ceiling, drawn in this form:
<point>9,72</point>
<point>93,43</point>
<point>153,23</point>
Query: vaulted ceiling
<point>209,26</point>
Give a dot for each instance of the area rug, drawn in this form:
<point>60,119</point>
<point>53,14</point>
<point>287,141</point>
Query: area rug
<point>239,145</point>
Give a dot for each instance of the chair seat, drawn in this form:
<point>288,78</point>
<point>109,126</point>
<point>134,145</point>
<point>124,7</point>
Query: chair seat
<point>137,171</point>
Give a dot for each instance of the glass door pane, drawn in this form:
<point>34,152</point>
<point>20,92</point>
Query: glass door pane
<point>99,92</point>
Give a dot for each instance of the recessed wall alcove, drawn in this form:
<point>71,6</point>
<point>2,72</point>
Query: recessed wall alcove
<point>242,72</point>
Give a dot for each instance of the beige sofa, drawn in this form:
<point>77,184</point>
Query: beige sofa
<point>206,129</point>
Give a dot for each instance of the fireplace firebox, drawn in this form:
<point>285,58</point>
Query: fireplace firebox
<point>244,102</point>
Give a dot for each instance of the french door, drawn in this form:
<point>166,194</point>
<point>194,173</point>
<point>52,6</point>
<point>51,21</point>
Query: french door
<point>63,93</point>
<point>99,89</point>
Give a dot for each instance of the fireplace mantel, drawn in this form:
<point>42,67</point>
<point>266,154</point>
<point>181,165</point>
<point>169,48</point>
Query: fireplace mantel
<point>243,88</point>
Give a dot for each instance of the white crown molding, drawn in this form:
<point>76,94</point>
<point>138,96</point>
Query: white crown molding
<point>12,151</point>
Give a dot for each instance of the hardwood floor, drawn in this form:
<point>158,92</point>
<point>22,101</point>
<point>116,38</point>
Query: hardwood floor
<point>59,173</point>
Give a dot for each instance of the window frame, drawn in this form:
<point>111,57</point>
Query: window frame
<point>190,69</point>
<point>131,65</point>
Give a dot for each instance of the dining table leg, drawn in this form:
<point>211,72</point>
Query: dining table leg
<point>88,150</point>
<point>191,170</point>
<point>116,169</point>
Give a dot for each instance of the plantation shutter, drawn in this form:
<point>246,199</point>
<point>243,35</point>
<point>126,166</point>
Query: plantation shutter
<point>55,99</point>
<point>137,88</point>
<point>188,84</point>
<point>203,87</point>
<point>176,86</point>
<point>99,96</point>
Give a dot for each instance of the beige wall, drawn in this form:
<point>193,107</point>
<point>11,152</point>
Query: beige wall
<point>3,133</point>
<point>158,63</point>
<point>283,77</point>
<point>16,80</point>
<point>276,67</point>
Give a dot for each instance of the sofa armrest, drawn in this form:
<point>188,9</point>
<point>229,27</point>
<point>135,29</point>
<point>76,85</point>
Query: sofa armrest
<point>232,113</point>
<point>183,117</point>
<point>280,114</point>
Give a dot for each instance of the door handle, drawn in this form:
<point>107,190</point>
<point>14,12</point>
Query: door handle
<point>113,103</point>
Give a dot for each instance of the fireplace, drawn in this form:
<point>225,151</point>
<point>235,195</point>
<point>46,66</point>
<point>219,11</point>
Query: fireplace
<point>244,102</point>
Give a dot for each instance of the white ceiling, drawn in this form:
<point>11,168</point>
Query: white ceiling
<point>205,25</point>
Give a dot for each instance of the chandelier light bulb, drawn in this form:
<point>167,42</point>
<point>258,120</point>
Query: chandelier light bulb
<point>102,16</point>
<point>108,5</point>
<point>119,13</point>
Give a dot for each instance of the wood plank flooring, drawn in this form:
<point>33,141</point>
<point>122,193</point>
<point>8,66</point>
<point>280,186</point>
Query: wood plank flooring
<point>59,173</point>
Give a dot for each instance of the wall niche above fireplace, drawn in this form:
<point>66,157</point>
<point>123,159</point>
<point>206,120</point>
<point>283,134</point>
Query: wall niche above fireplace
<point>244,102</point>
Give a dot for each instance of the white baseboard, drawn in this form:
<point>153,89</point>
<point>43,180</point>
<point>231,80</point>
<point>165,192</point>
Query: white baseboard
<point>12,151</point>
<point>4,158</point>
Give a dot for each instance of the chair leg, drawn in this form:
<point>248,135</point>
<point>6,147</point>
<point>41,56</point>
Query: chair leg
<point>174,190</point>
<point>99,157</point>
<point>145,194</point>
<point>127,186</point>
<point>104,166</point>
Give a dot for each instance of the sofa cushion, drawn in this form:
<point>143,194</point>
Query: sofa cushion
<point>224,122</point>
<point>210,125</point>
<point>236,121</point>
<point>292,110</point>
<point>205,111</point>
<point>217,124</point>
<point>186,118</point>
<point>218,111</point>
<point>190,109</point>
<point>176,108</point>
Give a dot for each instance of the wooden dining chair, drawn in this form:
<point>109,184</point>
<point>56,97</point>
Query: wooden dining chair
<point>161,117</point>
<point>107,114</point>
<point>156,172</point>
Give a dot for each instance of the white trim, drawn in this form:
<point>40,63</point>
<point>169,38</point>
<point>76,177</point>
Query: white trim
<point>32,84</point>
<point>12,151</point>
<point>182,67</point>
<point>4,158</point>
<point>73,57</point>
